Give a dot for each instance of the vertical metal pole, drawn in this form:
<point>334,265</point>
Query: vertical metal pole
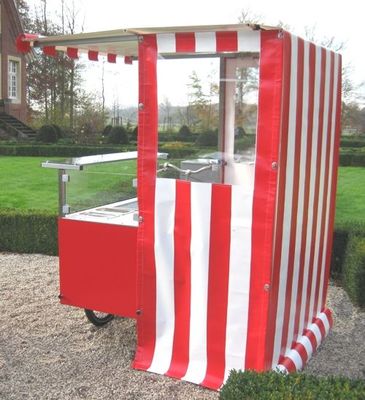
<point>61,193</point>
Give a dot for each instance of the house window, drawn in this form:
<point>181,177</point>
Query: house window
<point>13,79</point>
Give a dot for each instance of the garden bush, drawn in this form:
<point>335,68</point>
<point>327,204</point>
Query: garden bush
<point>177,149</point>
<point>107,129</point>
<point>208,138</point>
<point>276,386</point>
<point>185,134</point>
<point>353,276</point>
<point>47,134</point>
<point>29,231</point>
<point>351,158</point>
<point>118,135</point>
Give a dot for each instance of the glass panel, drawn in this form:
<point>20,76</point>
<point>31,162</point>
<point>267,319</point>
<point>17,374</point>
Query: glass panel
<point>101,185</point>
<point>208,118</point>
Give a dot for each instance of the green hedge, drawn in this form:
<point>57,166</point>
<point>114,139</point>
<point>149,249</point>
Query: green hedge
<point>349,142</point>
<point>30,231</point>
<point>351,157</point>
<point>276,386</point>
<point>60,151</point>
<point>348,259</point>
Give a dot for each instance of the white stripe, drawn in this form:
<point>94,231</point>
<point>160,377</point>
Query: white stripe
<point>164,258</point>
<point>239,278</point>
<point>296,358</point>
<point>201,194</point>
<point>317,83</point>
<point>280,368</point>
<point>248,41</point>
<point>323,317</point>
<point>166,43</point>
<point>317,333</point>
<point>205,42</point>
<point>324,129</point>
<point>301,194</point>
<point>289,169</point>
<point>304,340</point>
<point>330,174</point>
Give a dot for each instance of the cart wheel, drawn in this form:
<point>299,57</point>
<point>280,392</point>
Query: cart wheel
<point>98,318</point>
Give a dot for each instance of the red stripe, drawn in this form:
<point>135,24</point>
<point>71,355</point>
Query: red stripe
<point>289,365</point>
<point>302,352</point>
<point>308,162</point>
<point>321,327</point>
<point>50,51</point>
<point>182,236</point>
<point>334,183</point>
<point>93,55</point>
<point>312,338</point>
<point>220,230</point>
<point>328,312</point>
<point>147,162</point>
<point>226,41</point>
<point>185,42</point>
<point>295,191</point>
<point>324,220</point>
<point>128,60</point>
<point>72,52</point>
<point>257,280</point>
<point>308,314</point>
<point>112,58</point>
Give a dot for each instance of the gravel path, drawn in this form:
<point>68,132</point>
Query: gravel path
<point>49,351</point>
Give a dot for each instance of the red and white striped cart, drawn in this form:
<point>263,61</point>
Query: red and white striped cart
<point>227,263</point>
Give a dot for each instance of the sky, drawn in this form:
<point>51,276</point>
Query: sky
<point>343,20</point>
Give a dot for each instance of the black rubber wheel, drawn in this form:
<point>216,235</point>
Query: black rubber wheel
<point>98,318</point>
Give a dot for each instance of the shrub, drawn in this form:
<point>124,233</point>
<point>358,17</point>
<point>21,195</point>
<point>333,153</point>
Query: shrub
<point>275,386</point>
<point>354,157</point>
<point>118,135</point>
<point>58,130</point>
<point>133,134</point>
<point>47,134</point>
<point>177,149</point>
<point>29,231</point>
<point>106,130</point>
<point>167,136</point>
<point>208,138</point>
<point>354,272</point>
<point>184,134</point>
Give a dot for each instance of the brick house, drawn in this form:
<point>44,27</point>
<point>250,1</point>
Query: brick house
<point>12,64</point>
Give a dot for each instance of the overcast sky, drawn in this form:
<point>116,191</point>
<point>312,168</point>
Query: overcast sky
<point>344,20</point>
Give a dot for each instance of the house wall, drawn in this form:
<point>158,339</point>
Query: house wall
<point>10,28</point>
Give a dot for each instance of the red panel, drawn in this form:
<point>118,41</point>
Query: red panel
<point>220,238</point>
<point>182,276</point>
<point>23,46</point>
<point>98,266</point>
<point>147,163</point>
<point>185,42</point>
<point>269,111</point>
<point>226,41</point>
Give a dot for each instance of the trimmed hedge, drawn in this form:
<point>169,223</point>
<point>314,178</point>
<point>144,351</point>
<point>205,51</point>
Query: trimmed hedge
<point>350,158</point>
<point>353,276</point>
<point>61,151</point>
<point>349,142</point>
<point>30,231</point>
<point>177,149</point>
<point>348,259</point>
<point>276,386</point>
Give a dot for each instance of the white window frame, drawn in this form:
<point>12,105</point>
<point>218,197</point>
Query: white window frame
<point>14,79</point>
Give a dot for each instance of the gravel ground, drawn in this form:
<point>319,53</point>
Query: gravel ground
<point>48,351</point>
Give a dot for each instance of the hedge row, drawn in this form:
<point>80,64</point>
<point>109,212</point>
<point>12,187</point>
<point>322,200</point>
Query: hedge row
<point>30,231</point>
<point>276,386</point>
<point>60,151</point>
<point>348,259</point>
<point>349,142</point>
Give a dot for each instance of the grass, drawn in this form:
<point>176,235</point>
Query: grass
<point>25,185</point>
<point>350,201</point>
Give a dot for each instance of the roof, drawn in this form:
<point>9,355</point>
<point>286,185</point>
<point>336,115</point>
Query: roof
<point>124,42</point>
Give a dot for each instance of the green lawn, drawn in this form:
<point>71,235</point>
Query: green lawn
<point>350,202</point>
<point>24,184</point>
